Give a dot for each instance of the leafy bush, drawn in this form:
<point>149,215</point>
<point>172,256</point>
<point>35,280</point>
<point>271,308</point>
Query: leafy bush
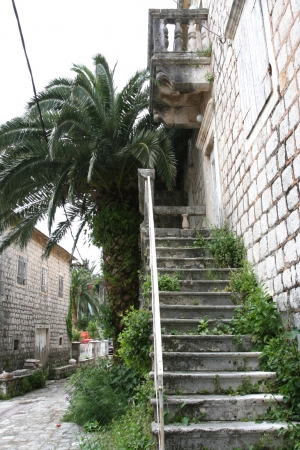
<point>106,321</point>
<point>93,329</point>
<point>258,314</point>
<point>35,381</point>
<point>100,393</point>
<point>165,283</point>
<point>130,432</point>
<point>225,246</point>
<point>135,340</point>
<point>76,335</point>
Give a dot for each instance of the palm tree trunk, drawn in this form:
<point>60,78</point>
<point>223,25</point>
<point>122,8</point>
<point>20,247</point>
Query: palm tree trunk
<point>116,229</point>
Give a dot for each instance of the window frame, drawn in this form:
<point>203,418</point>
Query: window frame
<point>44,280</point>
<point>22,270</point>
<point>60,286</point>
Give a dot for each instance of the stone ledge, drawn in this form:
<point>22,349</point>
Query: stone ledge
<point>178,210</point>
<point>58,373</point>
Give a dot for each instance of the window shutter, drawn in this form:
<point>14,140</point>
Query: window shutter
<point>21,277</point>
<point>252,63</point>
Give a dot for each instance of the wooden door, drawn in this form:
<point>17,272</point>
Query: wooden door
<point>42,345</point>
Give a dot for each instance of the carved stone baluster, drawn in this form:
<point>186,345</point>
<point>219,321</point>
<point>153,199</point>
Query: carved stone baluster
<point>192,36</point>
<point>178,41</point>
<point>160,35</point>
<point>204,35</point>
<point>166,36</point>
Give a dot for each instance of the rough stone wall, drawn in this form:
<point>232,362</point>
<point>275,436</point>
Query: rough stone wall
<point>260,175</point>
<point>22,308</point>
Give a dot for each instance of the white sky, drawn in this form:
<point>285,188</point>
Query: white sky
<point>58,33</point>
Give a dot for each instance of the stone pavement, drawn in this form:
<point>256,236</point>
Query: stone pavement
<point>30,422</point>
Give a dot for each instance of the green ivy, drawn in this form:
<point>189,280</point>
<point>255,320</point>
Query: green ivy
<point>69,322</point>
<point>165,283</point>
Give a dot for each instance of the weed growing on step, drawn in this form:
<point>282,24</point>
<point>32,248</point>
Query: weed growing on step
<point>165,283</point>
<point>224,245</point>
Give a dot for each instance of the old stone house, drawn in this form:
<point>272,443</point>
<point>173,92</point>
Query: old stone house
<point>34,302</point>
<point>232,76</point>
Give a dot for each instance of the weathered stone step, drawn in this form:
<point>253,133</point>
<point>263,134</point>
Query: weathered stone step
<point>195,298</point>
<point>180,233</point>
<point>185,263</point>
<point>180,252</point>
<point>174,241</point>
<point>218,407</point>
<point>182,383</point>
<point>206,343</point>
<point>203,285</point>
<point>197,312</point>
<point>199,274</point>
<point>181,326</point>
<point>222,435</point>
<point>212,361</point>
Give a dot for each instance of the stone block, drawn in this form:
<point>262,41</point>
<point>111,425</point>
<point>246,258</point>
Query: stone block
<point>266,199</point>
<point>278,286</point>
<point>272,243</point>
<point>286,278</point>
<point>287,178</point>
<point>272,144</point>
<point>282,208</point>
<point>277,189</point>
<point>294,114</point>
<point>281,301</point>
<point>295,4</point>
<point>281,232</point>
<point>291,94</point>
<point>290,253</point>
<point>271,267</point>
<point>293,223</point>
<point>292,198</point>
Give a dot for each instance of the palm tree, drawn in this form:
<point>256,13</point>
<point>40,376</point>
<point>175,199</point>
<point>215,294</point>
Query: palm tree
<point>85,301</point>
<point>98,138</point>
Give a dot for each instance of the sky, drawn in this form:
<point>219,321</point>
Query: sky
<point>59,33</point>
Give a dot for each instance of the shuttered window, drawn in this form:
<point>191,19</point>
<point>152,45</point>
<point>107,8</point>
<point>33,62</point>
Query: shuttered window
<point>21,277</point>
<point>60,286</point>
<point>44,279</point>
<point>2,283</point>
<point>252,63</point>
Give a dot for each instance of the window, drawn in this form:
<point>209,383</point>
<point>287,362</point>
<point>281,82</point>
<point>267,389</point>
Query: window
<point>2,283</point>
<point>21,278</point>
<point>44,279</point>
<point>60,341</point>
<point>16,344</point>
<point>252,63</point>
<point>60,286</point>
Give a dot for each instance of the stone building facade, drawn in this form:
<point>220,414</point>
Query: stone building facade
<point>243,162</point>
<point>34,302</point>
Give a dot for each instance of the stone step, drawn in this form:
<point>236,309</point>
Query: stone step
<point>174,241</point>
<point>203,285</point>
<point>185,263</point>
<point>196,298</point>
<point>206,343</point>
<point>222,436</point>
<point>197,312</point>
<point>212,361</point>
<point>182,326</point>
<point>180,233</point>
<point>182,383</point>
<point>199,274</point>
<point>180,252</point>
<point>218,407</point>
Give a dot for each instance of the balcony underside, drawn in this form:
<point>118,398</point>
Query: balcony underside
<point>177,83</point>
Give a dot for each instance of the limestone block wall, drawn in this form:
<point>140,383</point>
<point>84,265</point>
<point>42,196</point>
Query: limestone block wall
<point>23,308</point>
<point>259,173</point>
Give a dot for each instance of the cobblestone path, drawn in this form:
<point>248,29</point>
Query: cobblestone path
<point>30,422</point>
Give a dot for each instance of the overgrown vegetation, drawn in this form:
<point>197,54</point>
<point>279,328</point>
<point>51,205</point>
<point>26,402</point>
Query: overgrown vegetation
<point>224,246</point>
<point>165,283</point>
<point>135,341</point>
<point>100,393</point>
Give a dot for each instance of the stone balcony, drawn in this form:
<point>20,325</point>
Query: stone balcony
<point>179,76</point>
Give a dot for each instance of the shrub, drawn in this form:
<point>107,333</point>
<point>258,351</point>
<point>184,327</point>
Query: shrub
<point>225,246</point>
<point>165,283</point>
<point>93,329</point>
<point>100,393</point>
<point>135,340</point>
<point>76,335</point>
<point>258,314</point>
<point>130,432</point>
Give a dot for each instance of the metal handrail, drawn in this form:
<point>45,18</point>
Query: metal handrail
<point>158,360</point>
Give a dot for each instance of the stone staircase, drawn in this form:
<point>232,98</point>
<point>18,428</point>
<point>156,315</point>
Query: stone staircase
<point>203,373</point>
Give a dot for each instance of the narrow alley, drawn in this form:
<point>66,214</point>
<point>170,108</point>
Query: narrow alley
<point>33,421</point>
